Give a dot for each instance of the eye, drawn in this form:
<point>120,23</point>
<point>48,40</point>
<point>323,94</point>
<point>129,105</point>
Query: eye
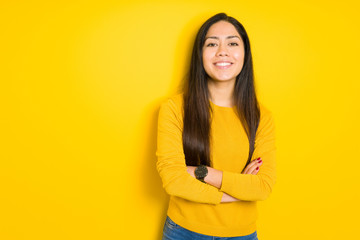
<point>234,44</point>
<point>211,45</point>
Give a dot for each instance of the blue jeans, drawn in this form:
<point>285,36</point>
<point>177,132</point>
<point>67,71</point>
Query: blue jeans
<point>172,231</point>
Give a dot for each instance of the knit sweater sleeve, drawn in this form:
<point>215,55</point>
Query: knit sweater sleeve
<point>171,159</point>
<point>257,187</point>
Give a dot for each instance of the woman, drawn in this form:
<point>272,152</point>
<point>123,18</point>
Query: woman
<point>216,143</point>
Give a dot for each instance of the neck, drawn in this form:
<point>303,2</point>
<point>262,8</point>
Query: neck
<point>221,93</point>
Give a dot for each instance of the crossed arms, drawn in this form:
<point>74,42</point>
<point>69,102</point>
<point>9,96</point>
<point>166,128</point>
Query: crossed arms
<point>221,186</point>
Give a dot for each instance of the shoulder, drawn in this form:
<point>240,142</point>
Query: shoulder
<point>173,106</point>
<point>177,99</point>
<point>174,101</point>
<point>266,119</point>
<point>265,112</point>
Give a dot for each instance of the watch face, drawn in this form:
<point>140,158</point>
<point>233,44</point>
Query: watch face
<point>201,172</point>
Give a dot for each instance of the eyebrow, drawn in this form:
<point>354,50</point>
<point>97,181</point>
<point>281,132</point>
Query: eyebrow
<point>228,37</point>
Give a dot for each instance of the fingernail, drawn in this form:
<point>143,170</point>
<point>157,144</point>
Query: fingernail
<point>257,168</point>
<point>260,161</point>
<point>258,158</point>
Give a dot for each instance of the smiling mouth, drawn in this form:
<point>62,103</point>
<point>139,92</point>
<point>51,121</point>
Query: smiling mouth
<point>223,65</point>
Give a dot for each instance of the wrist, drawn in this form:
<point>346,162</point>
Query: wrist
<point>214,177</point>
<point>201,172</point>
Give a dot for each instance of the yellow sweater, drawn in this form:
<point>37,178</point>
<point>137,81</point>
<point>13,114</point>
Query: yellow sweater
<point>195,205</point>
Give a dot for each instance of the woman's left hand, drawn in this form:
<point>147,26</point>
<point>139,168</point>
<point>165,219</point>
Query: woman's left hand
<point>253,167</point>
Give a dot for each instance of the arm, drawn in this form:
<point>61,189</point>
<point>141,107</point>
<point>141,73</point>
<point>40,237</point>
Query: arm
<point>227,198</point>
<point>171,160</point>
<point>213,178</point>
<point>257,187</point>
<point>250,187</point>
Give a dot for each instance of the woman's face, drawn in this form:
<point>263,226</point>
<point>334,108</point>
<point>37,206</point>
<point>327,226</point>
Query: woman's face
<point>223,52</point>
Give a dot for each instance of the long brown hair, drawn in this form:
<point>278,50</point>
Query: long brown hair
<point>197,115</point>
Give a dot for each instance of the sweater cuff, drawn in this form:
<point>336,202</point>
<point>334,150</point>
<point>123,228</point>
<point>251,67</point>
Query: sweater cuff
<point>218,197</point>
<point>227,182</point>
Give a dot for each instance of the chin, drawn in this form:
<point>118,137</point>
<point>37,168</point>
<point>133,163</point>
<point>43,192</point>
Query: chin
<point>223,79</point>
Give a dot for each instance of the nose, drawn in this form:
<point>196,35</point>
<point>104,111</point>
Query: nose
<point>222,51</point>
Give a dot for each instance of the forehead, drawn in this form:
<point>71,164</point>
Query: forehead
<point>222,28</point>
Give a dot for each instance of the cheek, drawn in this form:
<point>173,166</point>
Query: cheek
<point>239,56</point>
<point>207,56</point>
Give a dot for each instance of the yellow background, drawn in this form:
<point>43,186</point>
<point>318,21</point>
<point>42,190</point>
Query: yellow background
<point>81,84</point>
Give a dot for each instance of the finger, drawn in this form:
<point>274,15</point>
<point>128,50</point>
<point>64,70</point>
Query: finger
<point>255,171</point>
<point>249,166</point>
<point>252,166</point>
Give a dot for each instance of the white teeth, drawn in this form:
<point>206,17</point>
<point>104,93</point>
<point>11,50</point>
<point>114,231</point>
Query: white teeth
<point>222,64</point>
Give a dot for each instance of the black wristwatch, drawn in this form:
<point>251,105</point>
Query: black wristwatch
<point>201,172</point>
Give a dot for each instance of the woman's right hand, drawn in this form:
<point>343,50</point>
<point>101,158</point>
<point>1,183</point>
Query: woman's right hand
<point>251,167</point>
